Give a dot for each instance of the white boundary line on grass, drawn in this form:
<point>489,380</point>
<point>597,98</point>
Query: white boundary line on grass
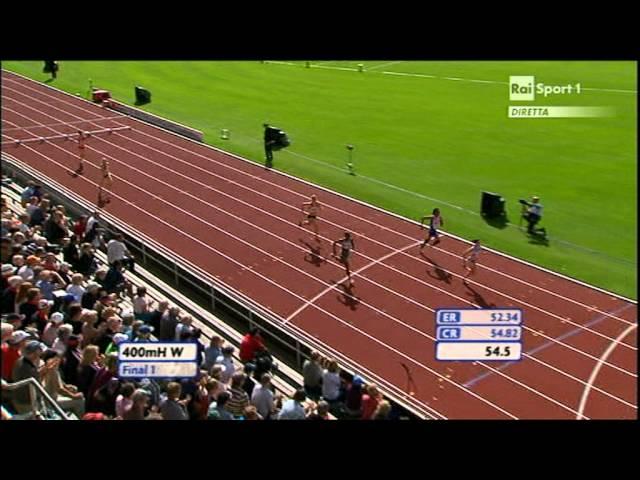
<point>437,77</point>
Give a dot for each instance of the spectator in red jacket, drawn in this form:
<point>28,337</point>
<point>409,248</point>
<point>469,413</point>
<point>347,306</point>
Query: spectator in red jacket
<point>251,342</point>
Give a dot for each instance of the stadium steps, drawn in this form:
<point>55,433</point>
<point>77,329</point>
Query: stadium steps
<point>285,381</point>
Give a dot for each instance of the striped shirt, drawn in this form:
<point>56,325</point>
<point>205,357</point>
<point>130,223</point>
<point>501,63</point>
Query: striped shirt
<point>238,401</point>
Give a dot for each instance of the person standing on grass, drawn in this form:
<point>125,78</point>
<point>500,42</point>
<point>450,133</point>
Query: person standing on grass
<point>435,222</point>
<point>311,210</point>
<point>469,259</point>
<point>346,246</point>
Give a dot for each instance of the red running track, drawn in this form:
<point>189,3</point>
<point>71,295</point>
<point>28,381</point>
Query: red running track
<point>239,222</point>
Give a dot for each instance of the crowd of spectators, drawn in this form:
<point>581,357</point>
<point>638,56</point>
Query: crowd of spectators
<point>63,316</point>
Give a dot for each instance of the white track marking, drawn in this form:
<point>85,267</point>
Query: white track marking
<point>392,318</point>
<point>358,271</point>
<point>302,299</point>
<point>387,266</point>
<point>596,370</point>
<point>443,290</point>
<point>315,306</point>
<point>319,187</point>
<point>589,308</point>
<point>265,311</point>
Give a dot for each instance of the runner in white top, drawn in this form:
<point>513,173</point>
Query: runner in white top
<point>311,210</point>
<point>435,222</point>
<point>469,259</point>
<point>347,244</point>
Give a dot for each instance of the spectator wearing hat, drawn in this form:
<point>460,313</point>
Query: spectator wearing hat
<point>353,398</point>
<point>90,295</point>
<point>50,332</point>
<point>118,338</point>
<point>60,343</point>
<point>239,398</point>
<point>293,409</point>
<point>312,376</point>
<point>7,271</point>
<point>75,288</point>
<point>12,352</point>
<point>173,408</point>
<point>144,334</point>
<point>41,317</point>
<point>249,345</point>
<point>226,360</point>
<point>26,271</point>
<point>331,382</point>
<point>262,397</point>
<point>25,367</point>
<point>66,395</point>
<point>218,410</point>
<point>9,294</point>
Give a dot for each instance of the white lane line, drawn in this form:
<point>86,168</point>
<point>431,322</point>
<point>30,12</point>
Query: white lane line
<point>596,370</point>
<point>392,318</point>
<point>332,287</point>
<point>298,180</point>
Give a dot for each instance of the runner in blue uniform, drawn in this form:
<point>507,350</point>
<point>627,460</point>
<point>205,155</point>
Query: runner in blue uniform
<point>435,222</point>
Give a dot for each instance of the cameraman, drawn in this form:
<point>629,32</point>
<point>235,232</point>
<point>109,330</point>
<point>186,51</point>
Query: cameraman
<point>533,215</point>
<point>270,140</point>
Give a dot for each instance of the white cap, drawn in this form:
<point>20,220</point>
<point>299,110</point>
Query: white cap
<point>56,317</point>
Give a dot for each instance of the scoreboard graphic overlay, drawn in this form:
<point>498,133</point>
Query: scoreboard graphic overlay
<point>471,335</point>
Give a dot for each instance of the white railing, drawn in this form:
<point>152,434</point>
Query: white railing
<point>37,394</point>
